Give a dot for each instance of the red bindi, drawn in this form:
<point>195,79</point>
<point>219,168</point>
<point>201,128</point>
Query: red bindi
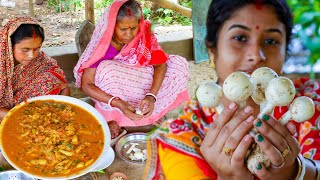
<point>34,35</point>
<point>257,27</point>
<point>129,12</point>
<point>259,4</point>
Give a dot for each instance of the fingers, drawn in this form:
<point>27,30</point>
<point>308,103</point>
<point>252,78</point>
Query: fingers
<point>292,128</point>
<point>238,134</point>
<point>233,124</point>
<point>279,135</point>
<point>241,151</point>
<point>218,123</point>
<point>277,141</point>
<point>271,152</point>
<point>142,105</point>
<point>114,129</point>
<point>261,171</point>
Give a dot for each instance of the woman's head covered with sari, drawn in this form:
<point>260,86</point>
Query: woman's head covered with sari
<point>142,50</point>
<point>23,66</point>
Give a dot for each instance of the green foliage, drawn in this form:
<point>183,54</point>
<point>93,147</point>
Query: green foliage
<point>307,16</point>
<point>65,5</point>
<point>160,16</point>
<point>102,3</point>
<point>166,16</point>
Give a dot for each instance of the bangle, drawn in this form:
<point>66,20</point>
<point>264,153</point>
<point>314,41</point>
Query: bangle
<point>154,96</point>
<point>302,168</point>
<point>110,100</point>
<point>317,169</point>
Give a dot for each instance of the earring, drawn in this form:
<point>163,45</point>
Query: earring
<point>212,62</point>
<point>211,56</point>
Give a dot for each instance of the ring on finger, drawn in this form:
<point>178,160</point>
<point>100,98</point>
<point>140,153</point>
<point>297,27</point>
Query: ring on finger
<point>280,166</point>
<point>286,152</point>
<point>227,151</point>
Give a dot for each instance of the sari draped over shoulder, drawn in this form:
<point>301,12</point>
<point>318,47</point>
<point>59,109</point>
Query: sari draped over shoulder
<point>17,83</point>
<point>129,74</point>
<point>174,148</point>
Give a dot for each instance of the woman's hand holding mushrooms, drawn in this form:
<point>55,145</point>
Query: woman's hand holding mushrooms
<point>227,142</point>
<point>126,109</point>
<point>275,151</point>
<point>147,105</point>
<point>279,145</point>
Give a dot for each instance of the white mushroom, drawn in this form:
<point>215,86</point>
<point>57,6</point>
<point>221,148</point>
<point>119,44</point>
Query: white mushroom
<point>261,78</point>
<point>301,109</point>
<point>133,145</point>
<point>138,111</point>
<point>209,94</point>
<point>238,87</point>
<point>279,92</point>
<point>138,155</point>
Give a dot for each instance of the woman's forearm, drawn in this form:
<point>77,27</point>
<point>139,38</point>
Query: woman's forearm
<point>158,77</point>
<point>96,93</point>
<point>3,113</point>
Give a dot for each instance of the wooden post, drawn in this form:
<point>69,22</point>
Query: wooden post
<point>89,10</point>
<point>31,9</point>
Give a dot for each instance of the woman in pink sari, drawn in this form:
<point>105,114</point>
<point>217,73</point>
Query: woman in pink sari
<point>25,71</point>
<point>124,70</point>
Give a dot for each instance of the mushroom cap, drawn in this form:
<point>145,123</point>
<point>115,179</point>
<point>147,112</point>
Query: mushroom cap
<point>302,109</point>
<point>209,94</point>
<point>238,86</point>
<point>261,77</point>
<point>280,91</point>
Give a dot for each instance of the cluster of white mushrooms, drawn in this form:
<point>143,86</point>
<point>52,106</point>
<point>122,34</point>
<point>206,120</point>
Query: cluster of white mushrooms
<point>136,154</point>
<point>268,90</point>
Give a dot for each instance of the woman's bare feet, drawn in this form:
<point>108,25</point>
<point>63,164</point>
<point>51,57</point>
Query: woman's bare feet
<point>114,129</point>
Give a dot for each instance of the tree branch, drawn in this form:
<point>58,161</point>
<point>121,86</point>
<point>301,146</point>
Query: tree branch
<point>167,4</point>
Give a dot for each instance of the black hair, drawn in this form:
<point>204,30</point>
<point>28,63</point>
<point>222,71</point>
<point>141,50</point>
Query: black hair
<point>221,10</point>
<point>25,31</point>
<point>130,8</point>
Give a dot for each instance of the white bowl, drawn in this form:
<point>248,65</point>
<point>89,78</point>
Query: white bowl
<point>107,155</point>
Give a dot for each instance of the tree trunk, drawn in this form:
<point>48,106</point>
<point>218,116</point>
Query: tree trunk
<point>31,9</point>
<point>167,4</point>
<point>89,10</point>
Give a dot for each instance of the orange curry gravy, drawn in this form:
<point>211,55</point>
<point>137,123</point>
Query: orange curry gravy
<point>52,138</point>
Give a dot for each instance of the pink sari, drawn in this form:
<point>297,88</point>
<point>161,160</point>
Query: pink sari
<point>129,75</point>
<point>41,77</point>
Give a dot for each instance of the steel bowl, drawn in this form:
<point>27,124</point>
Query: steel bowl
<point>123,145</point>
<point>103,161</point>
<point>14,175</point>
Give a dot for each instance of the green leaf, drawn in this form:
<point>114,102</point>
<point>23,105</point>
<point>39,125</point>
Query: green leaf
<point>101,171</point>
<point>308,17</point>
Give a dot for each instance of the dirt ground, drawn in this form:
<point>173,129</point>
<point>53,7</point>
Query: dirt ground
<point>60,28</point>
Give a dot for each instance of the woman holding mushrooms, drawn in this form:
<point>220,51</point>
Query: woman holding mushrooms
<point>124,70</point>
<point>211,143</point>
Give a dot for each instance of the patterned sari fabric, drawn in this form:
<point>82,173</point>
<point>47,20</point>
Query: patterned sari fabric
<point>41,77</point>
<point>129,75</point>
<point>173,149</point>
